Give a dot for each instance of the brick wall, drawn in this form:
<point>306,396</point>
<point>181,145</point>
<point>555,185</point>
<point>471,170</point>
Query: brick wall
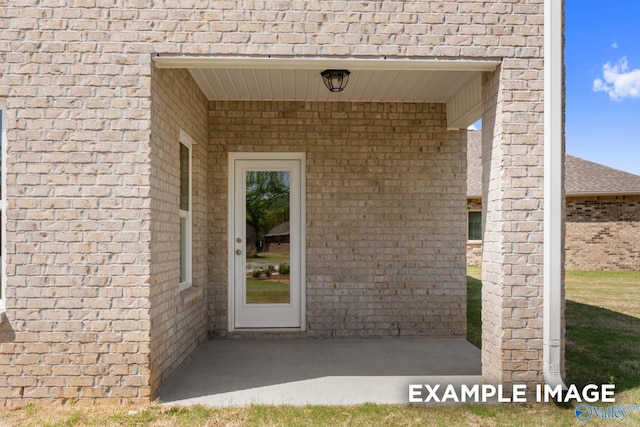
<point>386,214</point>
<point>603,233</point>
<point>178,319</point>
<point>80,41</point>
<point>76,76</point>
<point>78,213</point>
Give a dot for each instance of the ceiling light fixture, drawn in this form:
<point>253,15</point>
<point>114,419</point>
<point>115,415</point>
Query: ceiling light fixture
<point>335,80</point>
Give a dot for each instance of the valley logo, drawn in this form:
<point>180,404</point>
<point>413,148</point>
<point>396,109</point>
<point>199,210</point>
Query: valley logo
<point>585,412</point>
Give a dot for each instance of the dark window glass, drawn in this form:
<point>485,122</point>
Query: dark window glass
<point>184,177</point>
<point>475,225</point>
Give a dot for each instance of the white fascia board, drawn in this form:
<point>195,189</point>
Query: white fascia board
<point>181,61</point>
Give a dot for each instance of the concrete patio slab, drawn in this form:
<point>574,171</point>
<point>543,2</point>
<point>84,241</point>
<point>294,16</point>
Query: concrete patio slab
<point>320,372</point>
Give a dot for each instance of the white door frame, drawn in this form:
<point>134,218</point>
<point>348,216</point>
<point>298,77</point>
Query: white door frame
<point>301,157</point>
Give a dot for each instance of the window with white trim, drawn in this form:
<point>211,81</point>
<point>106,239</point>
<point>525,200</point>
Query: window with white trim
<point>3,197</point>
<point>475,225</point>
<point>186,241</point>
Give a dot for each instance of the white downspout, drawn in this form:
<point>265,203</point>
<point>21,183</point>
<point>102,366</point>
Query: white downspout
<point>553,186</point>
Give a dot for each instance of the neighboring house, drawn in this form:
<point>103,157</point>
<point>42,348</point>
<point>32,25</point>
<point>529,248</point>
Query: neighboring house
<point>128,133</point>
<point>602,228</point>
<point>277,240</point>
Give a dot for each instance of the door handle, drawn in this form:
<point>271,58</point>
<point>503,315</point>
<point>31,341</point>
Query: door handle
<point>238,252</point>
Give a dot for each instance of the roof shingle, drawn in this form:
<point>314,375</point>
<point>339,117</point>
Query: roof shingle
<point>582,177</point>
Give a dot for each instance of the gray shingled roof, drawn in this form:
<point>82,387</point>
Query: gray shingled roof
<point>280,230</point>
<point>582,177</point>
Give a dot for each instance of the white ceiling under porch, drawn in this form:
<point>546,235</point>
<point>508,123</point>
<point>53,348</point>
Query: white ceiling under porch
<point>454,82</point>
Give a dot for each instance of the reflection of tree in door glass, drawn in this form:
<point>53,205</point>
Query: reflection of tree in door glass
<point>267,237</point>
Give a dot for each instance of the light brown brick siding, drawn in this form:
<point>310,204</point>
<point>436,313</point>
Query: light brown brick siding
<point>603,233</point>
<point>89,187</point>
<point>512,197</point>
<point>385,206</point>
<point>178,320</point>
<point>80,44</point>
<point>78,215</point>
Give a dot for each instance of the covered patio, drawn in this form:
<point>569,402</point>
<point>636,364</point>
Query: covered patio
<point>377,183</point>
<point>319,371</point>
<point>376,176</point>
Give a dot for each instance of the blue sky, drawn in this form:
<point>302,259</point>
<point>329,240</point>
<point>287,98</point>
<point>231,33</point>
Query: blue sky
<point>602,59</point>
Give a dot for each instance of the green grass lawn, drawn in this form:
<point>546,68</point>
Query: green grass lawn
<point>603,344</point>
<point>267,291</point>
<point>602,317</point>
<point>367,415</point>
<point>603,330</point>
<point>474,306</point>
<point>270,257</point>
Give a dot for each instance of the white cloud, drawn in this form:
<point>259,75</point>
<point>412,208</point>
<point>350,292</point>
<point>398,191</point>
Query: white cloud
<point>618,81</point>
<point>614,45</point>
<point>472,127</point>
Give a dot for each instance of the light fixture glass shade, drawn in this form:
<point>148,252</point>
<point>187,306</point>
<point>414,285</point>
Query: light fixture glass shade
<point>335,80</point>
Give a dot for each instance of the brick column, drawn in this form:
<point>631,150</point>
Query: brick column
<point>512,194</point>
<point>77,231</point>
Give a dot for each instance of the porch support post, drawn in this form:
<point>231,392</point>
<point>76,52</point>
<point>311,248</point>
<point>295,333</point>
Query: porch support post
<point>512,198</point>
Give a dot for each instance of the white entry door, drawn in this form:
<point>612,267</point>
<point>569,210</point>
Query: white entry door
<point>266,240</point>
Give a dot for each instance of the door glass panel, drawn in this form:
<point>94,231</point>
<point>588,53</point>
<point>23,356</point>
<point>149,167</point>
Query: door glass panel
<point>267,237</point>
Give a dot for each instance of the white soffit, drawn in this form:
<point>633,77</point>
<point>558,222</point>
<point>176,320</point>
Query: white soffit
<point>307,85</point>
<point>465,107</point>
<point>298,79</point>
